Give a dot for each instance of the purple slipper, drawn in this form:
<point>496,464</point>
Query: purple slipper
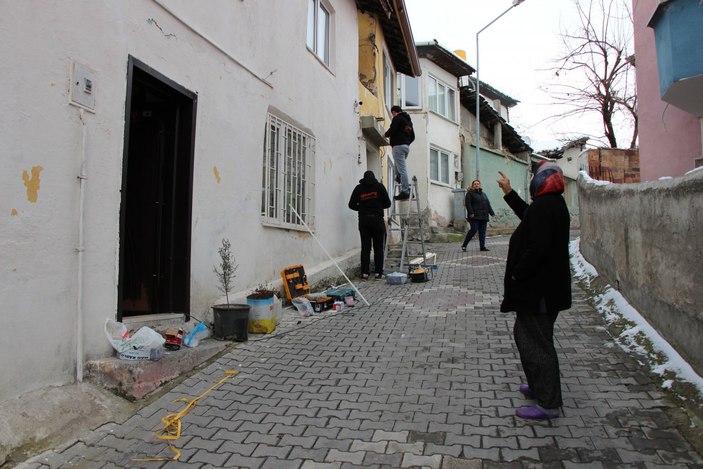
<point>535,412</point>
<point>527,392</point>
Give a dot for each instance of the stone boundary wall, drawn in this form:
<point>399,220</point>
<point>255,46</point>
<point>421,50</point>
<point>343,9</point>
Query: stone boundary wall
<point>646,239</point>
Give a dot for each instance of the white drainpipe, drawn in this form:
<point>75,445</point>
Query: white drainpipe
<point>82,176</point>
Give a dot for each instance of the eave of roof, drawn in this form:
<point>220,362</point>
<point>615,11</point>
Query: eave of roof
<point>446,59</point>
<point>396,29</point>
<point>489,117</point>
<point>558,153</point>
<point>489,91</point>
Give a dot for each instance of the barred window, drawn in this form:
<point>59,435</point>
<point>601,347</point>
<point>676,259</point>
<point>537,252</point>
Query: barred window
<point>288,181</point>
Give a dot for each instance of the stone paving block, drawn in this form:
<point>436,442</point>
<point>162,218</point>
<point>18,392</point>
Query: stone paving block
<point>232,447</point>
<point>278,417</point>
<point>237,460</point>
<point>525,442</point>
<point>280,429</point>
<point>317,465</point>
<point>381,435</point>
<point>300,411</point>
<point>432,449</point>
<point>337,413</point>
<point>335,455</point>
<point>414,448</point>
<point>586,465</point>
<point>274,463</point>
<point>464,440</point>
<point>508,454</point>
<point>680,458</point>
<point>470,420</point>
<point>503,442</point>
<point>382,460</point>
<point>204,456</point>
<point>262,438</point>
<point>629,457</point>
<point>387,425</point>
<point>265,451</point>
<point>410,460</point>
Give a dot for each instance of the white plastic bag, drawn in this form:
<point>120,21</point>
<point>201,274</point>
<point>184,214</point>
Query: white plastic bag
<point>303,306</point>
<point>193,338</point>
<point>144,339</point>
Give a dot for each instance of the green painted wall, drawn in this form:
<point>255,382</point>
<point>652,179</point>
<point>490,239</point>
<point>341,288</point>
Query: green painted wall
<point>489,165</point>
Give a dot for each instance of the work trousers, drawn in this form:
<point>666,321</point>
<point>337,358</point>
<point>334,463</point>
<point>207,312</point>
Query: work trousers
<point>534,337</point>
<point>372,229</point>
<point>400,155</point>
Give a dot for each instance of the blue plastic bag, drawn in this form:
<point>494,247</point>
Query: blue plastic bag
<point>193,338</point>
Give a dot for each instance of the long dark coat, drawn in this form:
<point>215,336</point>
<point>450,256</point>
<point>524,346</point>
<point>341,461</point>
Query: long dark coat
<point>538,255</point>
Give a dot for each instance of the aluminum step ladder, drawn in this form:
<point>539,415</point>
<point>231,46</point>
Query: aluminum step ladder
<point>405,240</point>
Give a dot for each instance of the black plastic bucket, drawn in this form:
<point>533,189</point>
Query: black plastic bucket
<point>231,322</point>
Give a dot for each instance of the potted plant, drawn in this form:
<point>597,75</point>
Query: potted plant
<point>264,309</point>
<point>231,320</point>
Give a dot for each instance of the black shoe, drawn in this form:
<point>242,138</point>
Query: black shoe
<point>380,276</point>
<point>402,196</point>
<point>485,249</point>
<point>463,248</point>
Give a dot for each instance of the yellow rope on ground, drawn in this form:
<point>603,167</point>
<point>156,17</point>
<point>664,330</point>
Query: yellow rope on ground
<point>172,422</point>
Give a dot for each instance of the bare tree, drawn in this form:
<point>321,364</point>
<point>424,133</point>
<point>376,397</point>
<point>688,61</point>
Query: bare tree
<point>599,66</point>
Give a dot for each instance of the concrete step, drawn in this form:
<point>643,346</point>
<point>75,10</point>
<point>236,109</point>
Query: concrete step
<point>135,379</point>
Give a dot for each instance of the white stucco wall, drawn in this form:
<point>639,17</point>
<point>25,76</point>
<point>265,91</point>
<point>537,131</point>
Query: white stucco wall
<point>435,131</point>
<point>253,57</point>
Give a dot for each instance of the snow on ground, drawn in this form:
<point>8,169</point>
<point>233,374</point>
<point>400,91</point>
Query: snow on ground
<point>612,305</point>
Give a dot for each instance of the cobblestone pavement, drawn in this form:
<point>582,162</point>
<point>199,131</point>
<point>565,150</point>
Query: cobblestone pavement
<point>426,376</point>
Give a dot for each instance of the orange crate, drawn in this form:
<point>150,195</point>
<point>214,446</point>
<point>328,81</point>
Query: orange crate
<point>295,282</point>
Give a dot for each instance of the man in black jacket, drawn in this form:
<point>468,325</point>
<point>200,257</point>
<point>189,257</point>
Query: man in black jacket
<point>401,134</point>
<point>538,284</point>
<point>370,198</point>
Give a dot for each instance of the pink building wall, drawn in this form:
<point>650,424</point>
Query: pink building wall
<point>669,138</point>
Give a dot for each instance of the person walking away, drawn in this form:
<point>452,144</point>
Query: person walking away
<point>478,208</point>
<point>401,134</point>
<point>537,285</point>
<point>370,198</point>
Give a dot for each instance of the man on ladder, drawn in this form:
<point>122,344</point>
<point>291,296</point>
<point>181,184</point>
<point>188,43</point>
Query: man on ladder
<point>401,134</point>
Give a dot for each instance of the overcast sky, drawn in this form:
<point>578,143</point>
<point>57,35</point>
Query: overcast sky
<point>515,53</point>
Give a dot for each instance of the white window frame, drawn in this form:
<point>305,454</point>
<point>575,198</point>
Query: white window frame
<point>288,175</point>
<point>320,35</point>
<point>388,83</point>
<point>403,81</point>
<point>445,165</point>
<point>441,98</point>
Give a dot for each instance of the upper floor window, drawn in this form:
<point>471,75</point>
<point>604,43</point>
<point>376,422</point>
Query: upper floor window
<point>319,36</point>
<point>388,88</point>
<point>441,98</point>
<point>409,91</point>
<point>287,182</point>
<point>440,169</point>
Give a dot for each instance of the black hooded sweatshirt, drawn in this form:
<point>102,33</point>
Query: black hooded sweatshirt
<point>369,196</point>
<point>396,133</point>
